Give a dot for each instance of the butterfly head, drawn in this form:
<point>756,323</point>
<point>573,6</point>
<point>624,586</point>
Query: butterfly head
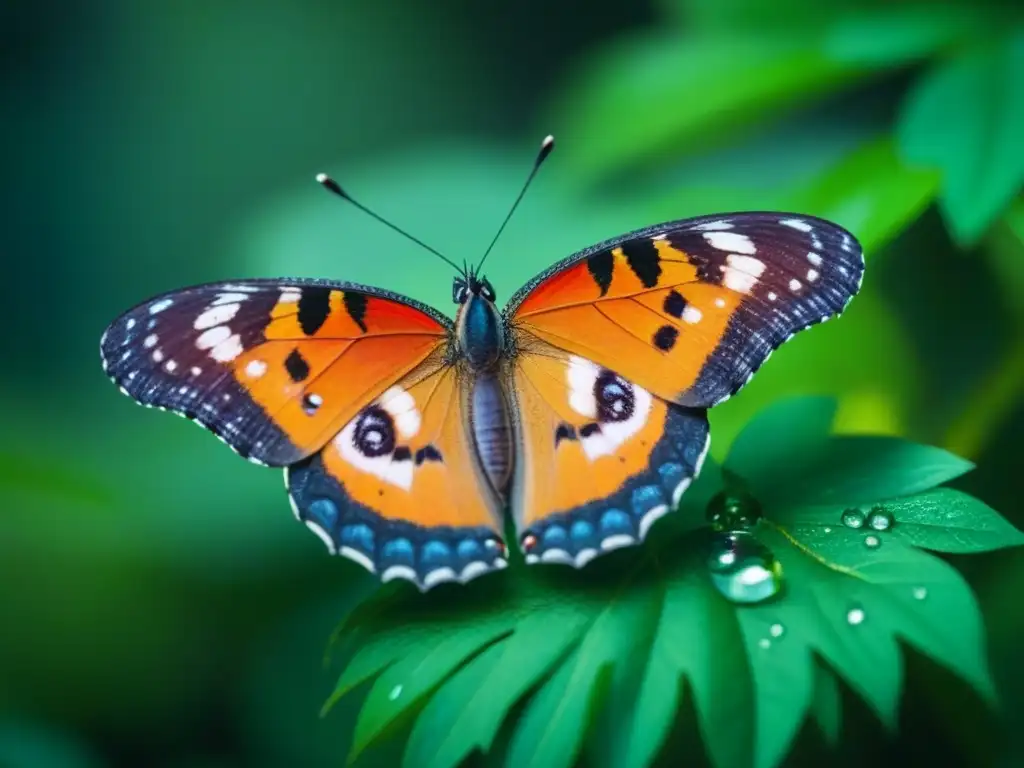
<point>470,284</point>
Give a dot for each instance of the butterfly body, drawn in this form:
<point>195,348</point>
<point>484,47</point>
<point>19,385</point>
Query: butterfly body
<point>580,408</point>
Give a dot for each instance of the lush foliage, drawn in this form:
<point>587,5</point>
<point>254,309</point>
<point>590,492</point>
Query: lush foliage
<point>160,605</point>
<point>751,600</point>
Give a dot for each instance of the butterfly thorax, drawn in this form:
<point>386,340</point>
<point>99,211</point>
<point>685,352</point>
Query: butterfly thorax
<point>480,333</point>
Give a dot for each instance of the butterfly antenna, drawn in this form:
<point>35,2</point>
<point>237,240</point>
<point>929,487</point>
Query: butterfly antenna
<point>332,186</point>
<point>545,149</point>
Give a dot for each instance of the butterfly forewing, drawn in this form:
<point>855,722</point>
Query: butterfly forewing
<point>690,310</point>
<point>275,368</point>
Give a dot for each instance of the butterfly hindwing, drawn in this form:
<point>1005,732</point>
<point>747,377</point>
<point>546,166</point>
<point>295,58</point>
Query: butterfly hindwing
<point>399,488</point>
<point>275,368</point>
<point>691,309</point>
<point>600,458</point>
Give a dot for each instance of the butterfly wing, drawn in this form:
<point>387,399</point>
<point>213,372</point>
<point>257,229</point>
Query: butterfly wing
<point>600,458</point>
<point>399,489</point>
<point>689,310</point>
<point>275,368</point>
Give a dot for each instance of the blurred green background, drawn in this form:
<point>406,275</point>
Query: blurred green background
<point>159,605</point>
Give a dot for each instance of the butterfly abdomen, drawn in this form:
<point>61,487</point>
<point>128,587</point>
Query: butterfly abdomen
<point>492,430</point>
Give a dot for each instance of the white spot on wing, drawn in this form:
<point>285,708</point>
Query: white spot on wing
<point>129,324</point>
<point>398,572</point>
<point>798,224</point>
<point>795,285</point>
<point>255,368</point>
<point>290,295</point>
<point>617,541</point>
<point>438,576</point>
<point>158,356</point>
<point>215,315</point>
<point>720,302</point>
<point>170,366</point>
<point>814,258</point>
<point>229,298</point>
<point>733,242</point>
<point>581,375</point>
<point>401,406</point>
<point>160,306</point>
<point>812,275</point>
<point>214,336</point>
<point>396,473</point>
<point>741,273</point>
<point>650,518</point>
<point>356,556</point>
<point>691,314</point>
<point>150,341</point>
<point>228,349</point>
<point>772,296</point>
<point>714,226</point>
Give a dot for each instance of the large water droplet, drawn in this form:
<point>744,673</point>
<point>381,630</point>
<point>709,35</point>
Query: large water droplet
<point>742,568</point>
<point>733,511</point>
<point>920,593</point>
<point>395,692</point>
<point>872,542</point>
<point>855,615</point>
<point>880,519</point>
<point>853,518</point>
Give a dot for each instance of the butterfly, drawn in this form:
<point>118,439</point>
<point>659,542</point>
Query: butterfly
<point>581,406</point>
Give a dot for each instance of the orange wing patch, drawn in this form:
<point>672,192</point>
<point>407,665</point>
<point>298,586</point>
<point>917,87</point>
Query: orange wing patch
<point>691,309</point>
<point>274,368</point>
<point>399,488</point>
<point>600,458</point>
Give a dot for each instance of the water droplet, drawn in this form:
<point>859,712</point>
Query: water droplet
<point>742,568</point>
<point>764,642</point>
<point>855,616</point>
<point>880,519</point>
<point>920,593</point>
<point>853,518</point>
<point>777,630</point>
<point>733,511</point>
<point>872,542</point>
<point>827,529</point>
<point>395,692</point>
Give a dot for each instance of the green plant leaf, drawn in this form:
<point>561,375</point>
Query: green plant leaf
<point>858,469</point>
<point>871,192</point>
<point>966,118</point>
<point>596,661</point>
<point>639,96</point>
<point>895,36</point>
<point>467,711</point>
<point>827,704</point>
<point>941,519</point>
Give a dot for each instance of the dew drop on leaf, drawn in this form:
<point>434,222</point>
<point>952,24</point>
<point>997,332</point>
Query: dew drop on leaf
<point>855,616</point>
<point>828,529</point>
<point>777,630</point>
<point>880,519</point>
<point>743,569</point>
<point>920,593</point>
<point>853,518</point>
<point>872,542</point>
<point>395,692</point>
<point>733,511</point>
<point>765,643</point>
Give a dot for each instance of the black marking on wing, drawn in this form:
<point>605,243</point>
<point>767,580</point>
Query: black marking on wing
<point>428,453</point>
<point>665,337</point>
<point>314,309</point>
<point>601,266</point>
<point>675,304</point>
<point>642,257</point>
<point>355,305</point>
<point>296,366</point>
<point>565,432</point>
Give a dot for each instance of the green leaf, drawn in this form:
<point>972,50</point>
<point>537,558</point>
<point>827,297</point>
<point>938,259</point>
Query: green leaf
<point>795,428</point>
<point>827,704</point>
<point>636,98</point>
<point>596,662</point>
<point>711,659</point>
<point>966,118</point>
<point>859,469</point>
<point>895,36</point>
<point>871,192</point>
<point>942,519</point>
<point>467,711</point>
